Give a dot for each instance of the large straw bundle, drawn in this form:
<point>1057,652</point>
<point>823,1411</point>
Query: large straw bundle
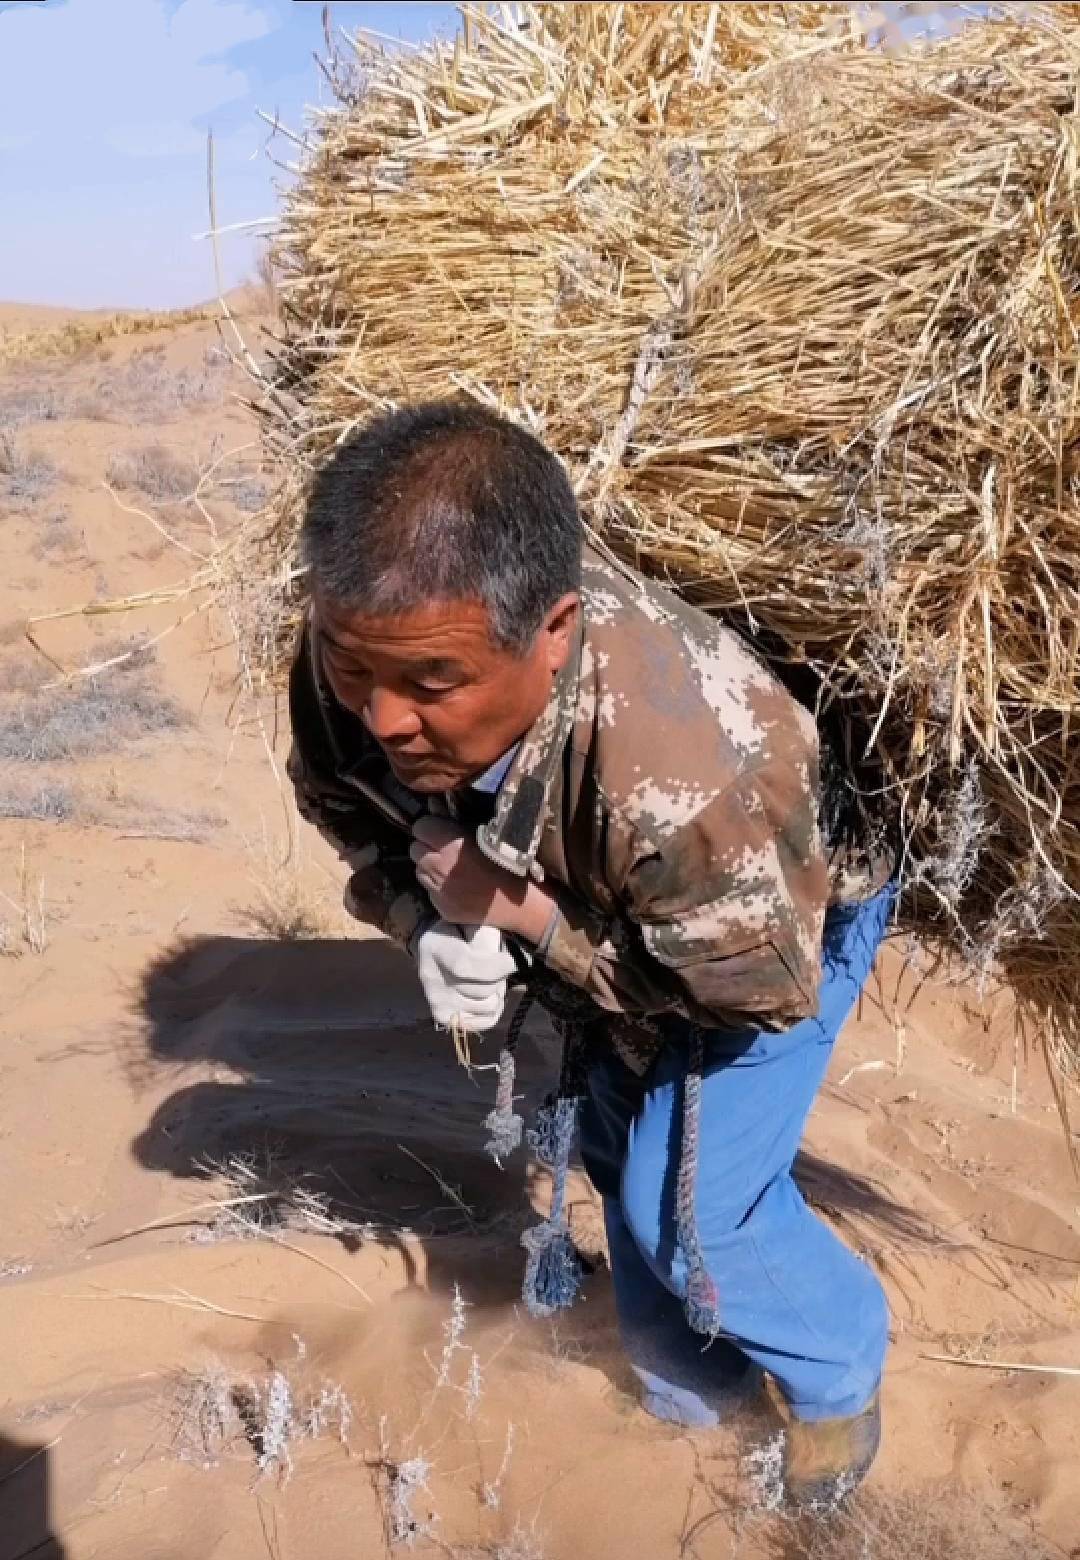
<point>801,315</point>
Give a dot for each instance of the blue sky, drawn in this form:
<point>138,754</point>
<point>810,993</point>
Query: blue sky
<point>104,106</point>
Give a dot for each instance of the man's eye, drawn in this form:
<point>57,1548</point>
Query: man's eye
<point>433,690</point>
<point>350,673</point>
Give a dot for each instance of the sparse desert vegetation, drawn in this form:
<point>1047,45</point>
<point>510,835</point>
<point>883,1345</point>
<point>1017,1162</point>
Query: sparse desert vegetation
<point>148,389</point>
<point>934,1524</point>
<point>78,336</point>
<point>87,716</point>
<point>248,494</point>
<point>134,817</point>
<point>25,473</point>
<point>262,1198</point>
<point>284,904</point>
<point>33,402</point>
<point>41,803</point>
<point>213,1415</point>
<point>29,930</point>
<point>56,535</point>
<point>145,388</point>
<point>154,470</point>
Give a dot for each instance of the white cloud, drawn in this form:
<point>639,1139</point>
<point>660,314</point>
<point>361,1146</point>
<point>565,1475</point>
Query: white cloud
<point>135,85</point>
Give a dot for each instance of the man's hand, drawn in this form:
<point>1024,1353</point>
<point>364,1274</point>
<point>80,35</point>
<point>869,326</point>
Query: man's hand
<point>465,887</point>
<point>464,975</point>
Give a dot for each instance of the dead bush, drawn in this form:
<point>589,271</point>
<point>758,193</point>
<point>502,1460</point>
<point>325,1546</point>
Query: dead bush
<point>55,534</point>
<point>266,1198</point>
<point>214,1415</point>
<point>155,471</point>
<point>142,819</point>
<point>92,715</point>
<point>42,804</point>
<point>24,474</point>
<point>21,674</point>
<point>247,493</point>
<point>135,816</point>
<point>147,389</point>
<point>31,403</point>
<point>285,906</point>
<point>935,1524</point>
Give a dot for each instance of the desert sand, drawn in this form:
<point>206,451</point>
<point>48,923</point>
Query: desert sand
<point>337,1365</point>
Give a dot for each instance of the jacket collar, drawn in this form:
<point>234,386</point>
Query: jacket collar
<point>512,837</point>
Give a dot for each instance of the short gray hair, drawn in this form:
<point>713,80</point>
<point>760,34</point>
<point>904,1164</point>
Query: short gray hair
<point>445,501</point>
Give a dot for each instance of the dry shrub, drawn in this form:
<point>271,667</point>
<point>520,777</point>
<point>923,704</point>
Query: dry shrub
<point>521,1544</point>
<point>33,403</point>
<point>154,470</point>
<point>147,389</point>
<point>264,1196</point>
<point>21,673</point>
<point>799,315</point>
<point>55,534</point>
<point>149,820</point>
<point>248,494</point>
<point>88,716</point>
<point>24,474</point>
<point>938,1524</point>
<point>84,335</point>
<point>55,802</point>
<point>285,907</point>
<point>41,804</point>
<point>214,1414</point>
<point>31,909</point>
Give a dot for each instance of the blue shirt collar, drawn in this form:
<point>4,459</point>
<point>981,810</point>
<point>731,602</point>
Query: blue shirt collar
<point>490,781</point>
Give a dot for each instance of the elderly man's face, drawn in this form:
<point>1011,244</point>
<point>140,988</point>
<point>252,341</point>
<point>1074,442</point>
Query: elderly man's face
<point>438,696</point>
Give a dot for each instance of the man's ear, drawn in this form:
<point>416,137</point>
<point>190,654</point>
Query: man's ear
<point>560,626</point>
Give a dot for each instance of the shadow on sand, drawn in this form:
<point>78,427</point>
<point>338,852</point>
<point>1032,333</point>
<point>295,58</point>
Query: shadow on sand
<point>25,1532</point>
<point>333,1074</point>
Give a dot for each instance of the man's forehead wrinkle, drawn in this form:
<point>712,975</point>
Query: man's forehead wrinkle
<point>433,663</point>
<point>435,644</point>
<point>453,617</point>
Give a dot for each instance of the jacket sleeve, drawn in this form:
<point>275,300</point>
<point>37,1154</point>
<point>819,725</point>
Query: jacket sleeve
<point>382,890</point>
<point>722,918</point>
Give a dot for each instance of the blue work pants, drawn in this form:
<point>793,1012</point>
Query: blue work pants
<point>794,1300</point>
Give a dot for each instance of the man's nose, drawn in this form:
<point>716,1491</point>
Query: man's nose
<point>389,717</point>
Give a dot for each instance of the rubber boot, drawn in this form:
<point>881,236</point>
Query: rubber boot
<point>825,1459</point>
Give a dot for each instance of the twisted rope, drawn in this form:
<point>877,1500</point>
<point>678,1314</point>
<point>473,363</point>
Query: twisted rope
<point>702,1303</point>
<point>503,1123</point>
<point>553,1267</point>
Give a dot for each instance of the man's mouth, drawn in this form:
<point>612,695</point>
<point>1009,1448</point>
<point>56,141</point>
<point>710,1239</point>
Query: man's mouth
<point>410,761</point>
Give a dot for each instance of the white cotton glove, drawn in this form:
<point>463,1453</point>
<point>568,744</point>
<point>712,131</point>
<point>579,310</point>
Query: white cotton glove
<point>464,971</point>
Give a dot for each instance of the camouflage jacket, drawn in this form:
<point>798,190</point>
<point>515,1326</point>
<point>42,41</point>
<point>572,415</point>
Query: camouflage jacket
<point>667,796</point>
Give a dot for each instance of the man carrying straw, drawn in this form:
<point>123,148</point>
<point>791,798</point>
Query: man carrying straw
<point>533,760</point>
